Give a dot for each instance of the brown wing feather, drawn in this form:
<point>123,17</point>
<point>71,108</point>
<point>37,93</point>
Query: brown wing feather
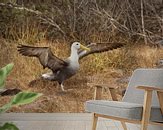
<point>45,56</point>
<point>98,48</point>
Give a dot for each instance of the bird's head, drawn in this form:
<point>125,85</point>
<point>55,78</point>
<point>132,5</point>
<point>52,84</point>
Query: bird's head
<point>77,46</point>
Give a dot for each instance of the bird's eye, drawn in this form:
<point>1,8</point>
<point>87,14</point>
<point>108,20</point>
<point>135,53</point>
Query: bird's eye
<point>77,44</point>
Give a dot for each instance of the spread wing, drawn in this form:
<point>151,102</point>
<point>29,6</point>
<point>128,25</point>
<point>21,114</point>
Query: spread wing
<point>45,56</point>
<point>98,48</point>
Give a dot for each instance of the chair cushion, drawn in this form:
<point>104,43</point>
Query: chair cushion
<point>125,110</point>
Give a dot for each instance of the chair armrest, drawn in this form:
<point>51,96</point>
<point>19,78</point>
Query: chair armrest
<point>106,86</point>
<point>98,90</point>
<point>148,88</point>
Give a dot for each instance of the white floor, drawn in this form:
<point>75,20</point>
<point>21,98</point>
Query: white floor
<point>57,121</point>
<point>63,121</point>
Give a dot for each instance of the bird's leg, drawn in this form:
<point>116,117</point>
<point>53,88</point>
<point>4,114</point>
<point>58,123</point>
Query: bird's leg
<point>62,87</point>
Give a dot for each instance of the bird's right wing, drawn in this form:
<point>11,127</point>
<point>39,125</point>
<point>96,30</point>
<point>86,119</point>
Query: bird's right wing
<point>45,56</point>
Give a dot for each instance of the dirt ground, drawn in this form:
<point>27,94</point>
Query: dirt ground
<point>78,91</point>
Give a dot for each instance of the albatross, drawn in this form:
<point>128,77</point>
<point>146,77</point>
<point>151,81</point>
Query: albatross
<point>64,69</point>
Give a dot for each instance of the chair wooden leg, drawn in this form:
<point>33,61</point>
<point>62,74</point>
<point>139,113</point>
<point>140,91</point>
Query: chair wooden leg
<point>160,97</point>
<point>146,109</point>
<point>94,122</point>
<point>113,94</point>
<point>124,125</point>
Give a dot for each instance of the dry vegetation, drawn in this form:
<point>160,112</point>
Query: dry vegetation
<point>109,68</point>
<point>58,24</point>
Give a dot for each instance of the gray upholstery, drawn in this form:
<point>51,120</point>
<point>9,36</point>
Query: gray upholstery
<point>116,109</point>
<point>143,77</point>
<point>132,104</point>
<point>125,110</point>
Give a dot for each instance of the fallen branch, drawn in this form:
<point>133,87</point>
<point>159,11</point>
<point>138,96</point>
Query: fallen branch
<point>10,92</point>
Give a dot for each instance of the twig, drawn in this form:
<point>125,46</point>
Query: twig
<point>142,21</point>
<point>39,14</point>
<point>74,18</point>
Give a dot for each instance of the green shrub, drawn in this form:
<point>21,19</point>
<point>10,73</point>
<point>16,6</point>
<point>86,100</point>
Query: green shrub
<point>21,98</point>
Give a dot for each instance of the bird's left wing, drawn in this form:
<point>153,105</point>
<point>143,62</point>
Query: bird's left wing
<point>98,48</point>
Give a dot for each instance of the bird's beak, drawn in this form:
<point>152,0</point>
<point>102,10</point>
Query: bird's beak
<point>84,48</point>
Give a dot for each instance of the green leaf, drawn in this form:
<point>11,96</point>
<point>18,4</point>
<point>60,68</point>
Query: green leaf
<point>8,126</point>
<point>4,72</point>
<point>5,108</point>
<point>24,98</point>
<point>9,67</point>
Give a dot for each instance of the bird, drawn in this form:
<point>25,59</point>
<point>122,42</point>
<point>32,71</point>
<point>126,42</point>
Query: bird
<point>62,70</point>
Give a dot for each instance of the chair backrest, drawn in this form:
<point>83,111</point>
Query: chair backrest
<point>143,77</point>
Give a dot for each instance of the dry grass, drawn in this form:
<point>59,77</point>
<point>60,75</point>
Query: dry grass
<point>100,68</point>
